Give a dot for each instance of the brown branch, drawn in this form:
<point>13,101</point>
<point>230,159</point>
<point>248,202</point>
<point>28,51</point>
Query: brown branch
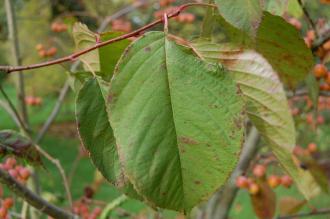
<point>58,165</point>
<point>74,56</point>
<point>32,198</point>
<point>312,213</point>
<point>13,37</point>
<point>308,17</point>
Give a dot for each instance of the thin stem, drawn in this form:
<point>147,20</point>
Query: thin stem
<point>308,17</point>
<point>13,109</point>
<point>13,36</point>
<point>72,57</point>
<point>57,163</point>
<point>32,198</point>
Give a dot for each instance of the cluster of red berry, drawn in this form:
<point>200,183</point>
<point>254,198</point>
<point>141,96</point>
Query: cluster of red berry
<point>182,17</point>
<point>33,101</point>
<point>43,52</point>
<point>21,174</point>
<point>17,171</point>
<point>121,25</point>
<point>259,172</point>
<point>58,27</point>
<point>6,204</point>
<point>310,150</point>
<point>82,209</point>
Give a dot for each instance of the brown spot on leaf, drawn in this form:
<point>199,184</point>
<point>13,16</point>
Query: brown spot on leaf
<point>147,49</point>
<point>197,182</point>
<point>110,97</point>
<point>187,140</point>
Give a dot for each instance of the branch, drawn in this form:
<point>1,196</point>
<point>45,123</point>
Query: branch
<point>33,199</point>
<point>74,56</point>
<point>308,17</point>
<point>14,111</point>
<point>13,36</point>
<point>57,163</point>
<point>313,213</point>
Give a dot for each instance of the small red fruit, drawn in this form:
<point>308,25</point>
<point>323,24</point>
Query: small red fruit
<point>296,23</point>
<point>24,173</point>
<point>320,70</point>
<point>11,162</point>
<point>273,181</point>
<point>259,170</point>
<point>286,181</point>
<point>8,203</point>
<point>310,35</point>
<point>254,188</point>
<point>51,52</point>
<point>39,47</point>
<point>326,45</point>
<point>42,53</point>
<point>320,120</point>
<point>312,148</point>
<point>242,182</point>
<point>3,212</point>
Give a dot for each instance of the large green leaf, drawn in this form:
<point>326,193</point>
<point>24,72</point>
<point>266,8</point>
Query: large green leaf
<point>177,121</point>
<point>96,133</point>
<point>280,43</point>
<point>267,105</point>
<point>242,14</point>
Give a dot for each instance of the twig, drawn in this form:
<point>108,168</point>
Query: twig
<point>57,163</point>
<point>8,109</point>
<point>13,36</point>
<point>74,168</point>
<point>9,69</point>
<point>219,205</point>
<point>54,112</point>
<point>32,198</point>
<point>13,109</point>
<point>308,17</point>
<point>112,205</point>
<point>312,213</point>
<point>65,89</point>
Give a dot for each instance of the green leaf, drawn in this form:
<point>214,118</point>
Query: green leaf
<point>177,121</point>
<point>276,7</point>
<point>96,133</point>
<point>243,14</point>
<point>110,54</point>
<point>280,43</point>
<point>267,105</point>
<point>13,143</point>
<point>84,38</point>
<point>77,79</point>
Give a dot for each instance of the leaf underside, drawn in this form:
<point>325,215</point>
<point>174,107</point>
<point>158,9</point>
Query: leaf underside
<point>267,105</point>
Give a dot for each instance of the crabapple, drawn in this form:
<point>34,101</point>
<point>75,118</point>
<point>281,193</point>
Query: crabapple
<point>259,170</point>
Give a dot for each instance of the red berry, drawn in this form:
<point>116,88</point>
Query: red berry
<point>13,173</point>
<point>242,182</point>
<point>8,203</point>
<point>273,181</point>
<point>295,22</point>
<point>320,70</point>
<point>3,212</point>
<point>11,162</point>
<point>24,173</point>
<point>254,188</point>
<point>312,147</point>
<point>259,170</point>
<point>286,181</point>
